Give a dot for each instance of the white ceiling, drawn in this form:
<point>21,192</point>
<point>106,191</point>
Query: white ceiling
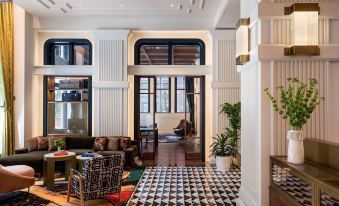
<point>131,14</point>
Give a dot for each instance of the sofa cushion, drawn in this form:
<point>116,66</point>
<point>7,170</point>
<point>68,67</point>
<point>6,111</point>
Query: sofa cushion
<point>51,145</point>
<point>80,151</point>
<point>108,153</point>
<point>42,143</point>
<point>79,142</point>
<point>124,142</point>
<point>32,144</point>
<point>113,143</point>
<point>100,144</point>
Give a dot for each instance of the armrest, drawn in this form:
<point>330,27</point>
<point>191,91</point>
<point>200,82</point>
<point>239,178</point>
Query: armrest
<point>21,150</point>
<point>134,142</point>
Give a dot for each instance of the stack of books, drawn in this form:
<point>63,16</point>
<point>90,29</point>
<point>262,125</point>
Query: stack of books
<point>61,153</point>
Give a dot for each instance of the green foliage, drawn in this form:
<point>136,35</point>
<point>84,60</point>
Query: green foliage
<point>297,101</point>
<point>226,144</point>
<point>59,142</point>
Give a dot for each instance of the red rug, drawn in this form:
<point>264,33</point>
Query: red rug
<point>114,198</point>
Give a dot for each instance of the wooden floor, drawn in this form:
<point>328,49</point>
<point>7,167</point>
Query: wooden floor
<point>172,154</point>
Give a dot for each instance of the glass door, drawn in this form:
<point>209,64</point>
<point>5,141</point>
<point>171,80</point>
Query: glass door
<point>147,131</point>
<point>194,114</point>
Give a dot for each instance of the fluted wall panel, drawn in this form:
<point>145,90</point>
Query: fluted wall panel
<point>228,80</point>
<point>110,105</point>
<point>227,70</point>
<point>303,70</point>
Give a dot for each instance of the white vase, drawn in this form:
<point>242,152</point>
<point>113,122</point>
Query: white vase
<point>295,147</point>
<point>59,149</point>
<point>223,163</point>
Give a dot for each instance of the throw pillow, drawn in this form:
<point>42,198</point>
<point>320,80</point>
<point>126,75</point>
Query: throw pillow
<point>32,144</point>
<point>124,142</point>
<point>51,146</point>
<point>42,143</point>
<point>113,143</point>
<point>100,144</point>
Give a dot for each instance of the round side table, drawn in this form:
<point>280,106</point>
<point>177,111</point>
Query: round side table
<point>49,166</point>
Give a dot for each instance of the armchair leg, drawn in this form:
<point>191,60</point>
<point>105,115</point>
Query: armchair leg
<point>82,201</point>
<point>28,190</point>
<point>70,179</point>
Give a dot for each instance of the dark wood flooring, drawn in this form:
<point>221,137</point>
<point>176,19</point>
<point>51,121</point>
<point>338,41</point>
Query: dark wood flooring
<point>172,154</point>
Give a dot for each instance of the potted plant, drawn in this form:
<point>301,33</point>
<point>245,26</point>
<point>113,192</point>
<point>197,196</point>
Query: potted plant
<point>225,145</point>
<point>297,103</point>
<point>59,143</point>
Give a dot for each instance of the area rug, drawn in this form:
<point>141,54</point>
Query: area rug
<point>186,186</point>
<point>21,198</point>
<point>130,180</point>
<point>169,138</point>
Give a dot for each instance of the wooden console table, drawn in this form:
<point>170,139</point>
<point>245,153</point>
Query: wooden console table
<point>307,184</point>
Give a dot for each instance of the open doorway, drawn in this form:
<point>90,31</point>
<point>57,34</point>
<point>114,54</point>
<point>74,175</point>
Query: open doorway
<point>169,118</point>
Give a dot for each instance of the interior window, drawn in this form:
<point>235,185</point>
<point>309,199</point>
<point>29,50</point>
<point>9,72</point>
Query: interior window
<point>169,52</point>
<point>144,95</point>
<point>68,52</point>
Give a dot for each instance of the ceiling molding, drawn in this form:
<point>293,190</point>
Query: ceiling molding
<point>220,12</point>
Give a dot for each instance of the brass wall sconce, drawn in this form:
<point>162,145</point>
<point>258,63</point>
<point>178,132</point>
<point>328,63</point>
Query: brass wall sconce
<point>303,29</point>
<point>242,41</point>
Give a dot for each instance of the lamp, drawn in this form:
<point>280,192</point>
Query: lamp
<point>242,41</point>
<point>303,29</point>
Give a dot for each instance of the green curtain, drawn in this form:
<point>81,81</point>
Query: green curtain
<point>7,73</point>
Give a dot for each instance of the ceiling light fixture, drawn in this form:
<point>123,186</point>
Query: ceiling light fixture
<point>304,19</point>
<point>242,41</point>
<point>121,5</point>
<point>79,5</point>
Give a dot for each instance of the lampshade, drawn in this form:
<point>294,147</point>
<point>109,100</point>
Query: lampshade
<point>303,29</point>
<point>242,41</point>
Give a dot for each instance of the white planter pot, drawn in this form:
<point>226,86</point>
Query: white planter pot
<point>223,163</point>
<point>295,147</point>
<point>59,149</point>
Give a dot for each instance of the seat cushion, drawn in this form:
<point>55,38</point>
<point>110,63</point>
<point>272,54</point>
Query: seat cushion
<point>23,170</point>
<point>80,151</point>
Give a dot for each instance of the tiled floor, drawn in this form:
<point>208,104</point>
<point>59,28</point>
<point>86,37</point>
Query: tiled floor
<point>186,186</point>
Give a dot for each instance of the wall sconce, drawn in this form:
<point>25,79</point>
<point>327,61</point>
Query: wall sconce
<point>303,29</point>
<point>242,41</point>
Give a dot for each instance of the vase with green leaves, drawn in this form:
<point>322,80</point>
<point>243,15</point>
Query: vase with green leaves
<point>225,145</point>
<point>296,104</point>
<point>59,143</point>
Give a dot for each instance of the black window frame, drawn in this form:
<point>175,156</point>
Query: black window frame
<point>49,53</point>
<point>169,93</point>
<point>170,43</point>
<point>148,95</point>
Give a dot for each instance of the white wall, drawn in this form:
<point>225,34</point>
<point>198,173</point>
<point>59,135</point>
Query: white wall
<point>23,66</point>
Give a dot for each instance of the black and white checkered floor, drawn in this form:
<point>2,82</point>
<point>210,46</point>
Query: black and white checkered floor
<point>186,186</point>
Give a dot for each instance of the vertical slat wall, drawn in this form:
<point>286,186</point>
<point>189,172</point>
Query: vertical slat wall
<point>303,70</point>
<point>111,102</point>
<point>227,78</point>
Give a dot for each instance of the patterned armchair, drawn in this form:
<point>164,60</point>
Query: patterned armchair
<point>100,176</point>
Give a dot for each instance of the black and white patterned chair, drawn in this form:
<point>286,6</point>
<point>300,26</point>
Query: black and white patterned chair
<point>100,176</point>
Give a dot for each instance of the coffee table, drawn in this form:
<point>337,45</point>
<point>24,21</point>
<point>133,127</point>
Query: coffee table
<point>49,167</point>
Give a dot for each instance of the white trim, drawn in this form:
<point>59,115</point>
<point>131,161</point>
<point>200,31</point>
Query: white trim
<point>110,84</point>
<point>169,70</point>
<point>107,34</point>
<point>217,85</point>
<point>223,34</point>
<point>276,52</point>
<point>63,70</point>
<point>220,12</point>
<point>269,10</point>
<point>246,195</point>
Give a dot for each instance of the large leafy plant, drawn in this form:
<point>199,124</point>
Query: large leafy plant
<point>226,144</point>
<point>297,101</point>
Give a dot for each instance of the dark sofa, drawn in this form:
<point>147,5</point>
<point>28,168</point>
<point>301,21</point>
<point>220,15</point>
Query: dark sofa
<point>79,145</point>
